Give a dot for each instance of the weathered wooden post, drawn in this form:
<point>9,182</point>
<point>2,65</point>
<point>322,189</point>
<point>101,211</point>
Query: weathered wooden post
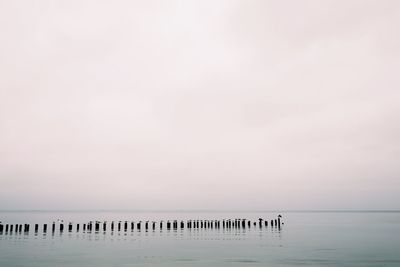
<point>1,227</point>
<point>154,225</point>
<point>26,228</point>
<point>260,222</point>
<point>53,227</point>
<point>266,223</point>
<point>146,225</point>
<point>125,226</point>
<point>16,228</point>
<point>36,228</point>
<point>112,226</point>
<point>77,227</point>
<point>70,227</point>
<point>272,223</point>
<point>97,226</point>
<point>61,227</point>
<point>104,226</point>
<point>11,228</point>
<point>119,226</point>
<point>161,224</point>
<point>84,227</point>
<point>44,228</point>
<point>132,226</point>
<point>168,225</point>
<point>279,220</point>
<point>249,223</point>
<point>182,225</point>
<point>6,228</point>
<point>138,225</point>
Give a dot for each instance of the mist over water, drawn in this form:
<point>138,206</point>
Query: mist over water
<point>190,105</point>
<point>213,104</point>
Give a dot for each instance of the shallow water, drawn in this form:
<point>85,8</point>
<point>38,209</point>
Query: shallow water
<point>306,239</point>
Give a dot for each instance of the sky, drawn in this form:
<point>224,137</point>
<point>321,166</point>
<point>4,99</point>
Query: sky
<point>168,105</point>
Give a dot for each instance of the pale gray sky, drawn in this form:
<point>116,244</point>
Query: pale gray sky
<point>199,104</point>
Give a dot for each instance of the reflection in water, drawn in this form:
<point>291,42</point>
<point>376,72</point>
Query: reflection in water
<point>319,239</point>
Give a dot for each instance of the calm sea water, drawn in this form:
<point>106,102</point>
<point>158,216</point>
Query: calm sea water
<point>306,239</point>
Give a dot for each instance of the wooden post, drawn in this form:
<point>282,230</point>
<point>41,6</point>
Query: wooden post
<point>70,227</point>
<point>112,226</point>
<point>36,228</point>
<point>11,228</point>
<point>84,227</point>
<point>53,227</point>
<point>6,228</point>
<point>182,225</point>
<point>1,228</point>
<point>154,225</point>
<point>61,227</point>
<point>119,226</point>
<point>249,223</point>
<point>77,227</point>
<point>272,223</point>
<point>132,226</point>
<point>44,228</point>
<point>266,223</point>
<point>125,226</point>
<point>138,225</point>
<point>104,226</point>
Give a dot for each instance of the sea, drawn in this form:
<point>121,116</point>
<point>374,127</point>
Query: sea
<point>305,238</point>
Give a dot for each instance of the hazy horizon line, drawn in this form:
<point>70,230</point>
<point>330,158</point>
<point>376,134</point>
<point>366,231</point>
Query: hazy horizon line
<point>198,210</point>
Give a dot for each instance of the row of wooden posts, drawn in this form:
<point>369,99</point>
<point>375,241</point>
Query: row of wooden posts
<point>98,226</point>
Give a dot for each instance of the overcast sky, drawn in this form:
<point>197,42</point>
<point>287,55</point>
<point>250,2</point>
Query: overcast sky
<point>199,104</point>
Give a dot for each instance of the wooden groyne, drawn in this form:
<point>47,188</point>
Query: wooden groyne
<point>124,226</point>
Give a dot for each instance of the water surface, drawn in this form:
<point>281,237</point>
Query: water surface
<point>306,239</point>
